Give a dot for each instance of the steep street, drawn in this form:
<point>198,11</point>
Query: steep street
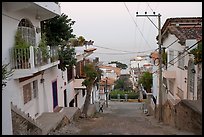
<point>120,118</point>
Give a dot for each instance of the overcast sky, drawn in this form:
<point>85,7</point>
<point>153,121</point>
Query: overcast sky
<point>116,31</point>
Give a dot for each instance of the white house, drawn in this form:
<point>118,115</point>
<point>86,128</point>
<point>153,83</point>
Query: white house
<point>75,92</point>
<point>180,75</point>
<point>36,85</point>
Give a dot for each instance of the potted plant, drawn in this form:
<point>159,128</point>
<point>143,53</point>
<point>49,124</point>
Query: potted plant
<point>21,51</point>
<point>43,48</point>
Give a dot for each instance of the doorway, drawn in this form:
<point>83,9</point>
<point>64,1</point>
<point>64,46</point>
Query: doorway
<point>54,93</point>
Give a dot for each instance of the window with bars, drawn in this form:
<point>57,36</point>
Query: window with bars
<point>180,60</point>
<point>30,91</point>
<point>171,57</point>
<point>27,30</point>
<point>171,87</point>
<point>27,93</point>
<point>35,89</point>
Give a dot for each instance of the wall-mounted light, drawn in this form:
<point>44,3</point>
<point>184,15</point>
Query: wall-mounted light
<point>193,71</point>
<point>38,30</point>
<point>42,80</point>
<point>185,67</point>
<point>185,79</point>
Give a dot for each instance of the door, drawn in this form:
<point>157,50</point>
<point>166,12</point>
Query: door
<point>65,98</point>
<point>190,80</point>
<point>35,96</point>
<point>54,92</point>
<point>76,101</point>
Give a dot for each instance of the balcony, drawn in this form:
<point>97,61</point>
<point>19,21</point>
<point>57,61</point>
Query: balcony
<point>29,61</point>
<point>78,84</point>
<point>44,10</point>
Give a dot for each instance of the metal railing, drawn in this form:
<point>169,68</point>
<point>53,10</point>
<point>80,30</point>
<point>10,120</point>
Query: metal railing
<point>26,58</point>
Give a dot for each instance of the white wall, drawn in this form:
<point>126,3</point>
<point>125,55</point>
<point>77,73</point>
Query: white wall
<point>181,74</point>
<point>6,113</point>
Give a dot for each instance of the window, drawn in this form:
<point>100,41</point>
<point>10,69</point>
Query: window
<point>171,57</point>
<point>30,91</point>
<point>27,93</point>
<point>171,87</point>
<point>35,89</point>
<point>80,69</point>
<point>180,60</point>
<point>83,92</point>
<point>70,73</point>
<point>27,30</point>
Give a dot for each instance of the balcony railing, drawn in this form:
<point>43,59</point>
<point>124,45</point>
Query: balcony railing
<point>32,57</point>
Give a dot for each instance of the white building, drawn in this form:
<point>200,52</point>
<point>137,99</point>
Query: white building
<point>180,76</point>
<point>34,87</point>
<point>75,93</point>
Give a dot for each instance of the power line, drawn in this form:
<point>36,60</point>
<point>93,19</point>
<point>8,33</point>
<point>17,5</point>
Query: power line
<point>180,55</point>
<point>122,50</point>
<point>149,7</point>
<point>136,25</point>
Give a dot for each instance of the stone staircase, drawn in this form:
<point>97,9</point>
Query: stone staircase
<point>47,122</point>
<point>23,124</point>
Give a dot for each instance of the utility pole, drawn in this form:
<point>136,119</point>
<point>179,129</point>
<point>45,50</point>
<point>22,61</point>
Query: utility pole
<point>160,57</point>
<point>106,93</point>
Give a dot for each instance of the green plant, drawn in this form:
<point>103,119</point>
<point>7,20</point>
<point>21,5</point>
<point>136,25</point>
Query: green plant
<point>146,80</point>
<point>19,41</point>
<point>66,57</point>
<point>197,52</point>
<point>131,95</point>
<point>6,74</point>
<point>43,47</point>
<point>21,47</point>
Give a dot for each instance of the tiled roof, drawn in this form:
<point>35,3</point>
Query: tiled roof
<point>116,69</point>
<point>183,28</point>
<point>110,81</point>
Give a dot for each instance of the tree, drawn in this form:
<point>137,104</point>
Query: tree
<point>91,76</point>
<point>146,81</point>
<point>197,52</point>
<point>119,64</point>
<point>123,83</point>
<point>66,57</point>
<point>6,74</point>
<point>58,29</point>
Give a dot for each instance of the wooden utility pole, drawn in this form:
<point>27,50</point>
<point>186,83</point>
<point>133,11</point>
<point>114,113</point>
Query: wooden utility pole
<point>106,92</point>
<point>160,57</point>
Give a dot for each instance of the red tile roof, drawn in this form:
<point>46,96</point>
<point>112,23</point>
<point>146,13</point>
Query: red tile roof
<point>183,28</point>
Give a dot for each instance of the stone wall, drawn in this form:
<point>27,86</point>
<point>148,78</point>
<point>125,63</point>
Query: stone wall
<point>188,116</point>
<point>185,115</point>
<point>169,113</point>
<point>22,126</point>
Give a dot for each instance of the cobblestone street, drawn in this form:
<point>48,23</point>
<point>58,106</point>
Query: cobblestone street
<point>120,118</point>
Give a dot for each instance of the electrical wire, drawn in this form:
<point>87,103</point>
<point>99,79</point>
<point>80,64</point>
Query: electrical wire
<point>149,7</point>
<point>122,50</point>
<point>136,25</point>
<point>180,55</point>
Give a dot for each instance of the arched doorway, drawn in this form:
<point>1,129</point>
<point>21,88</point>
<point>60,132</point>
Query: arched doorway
<point>191,80</point>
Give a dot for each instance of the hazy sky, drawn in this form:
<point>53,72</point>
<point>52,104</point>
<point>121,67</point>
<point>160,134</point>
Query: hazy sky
<point>116,36</point>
